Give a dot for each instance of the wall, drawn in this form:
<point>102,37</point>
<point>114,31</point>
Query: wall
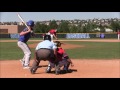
<point>11,28</point>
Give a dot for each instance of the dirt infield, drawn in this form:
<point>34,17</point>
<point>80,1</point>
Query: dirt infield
<point>82,68</point>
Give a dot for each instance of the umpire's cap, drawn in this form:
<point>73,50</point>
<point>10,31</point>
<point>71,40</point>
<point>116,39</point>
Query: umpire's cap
<point>47,37</point>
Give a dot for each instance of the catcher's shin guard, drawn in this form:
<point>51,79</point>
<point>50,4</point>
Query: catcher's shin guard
<point>66,68</point>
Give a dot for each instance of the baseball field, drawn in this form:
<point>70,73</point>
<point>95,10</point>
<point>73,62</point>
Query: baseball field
<point>92,58</point>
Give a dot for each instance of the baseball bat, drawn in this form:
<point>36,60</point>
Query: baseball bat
<point>22,20</point>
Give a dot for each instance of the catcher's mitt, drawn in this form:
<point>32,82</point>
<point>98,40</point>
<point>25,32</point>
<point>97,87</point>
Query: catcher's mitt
<point>58,43</point>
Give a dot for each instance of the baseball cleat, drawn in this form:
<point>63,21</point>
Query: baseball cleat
<point>22,62</point>
<point>26,67</point>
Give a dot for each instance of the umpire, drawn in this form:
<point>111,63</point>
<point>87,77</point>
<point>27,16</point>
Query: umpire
<point>45,50</point>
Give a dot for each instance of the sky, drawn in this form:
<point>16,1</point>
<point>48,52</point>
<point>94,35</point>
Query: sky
<point>45,16</point>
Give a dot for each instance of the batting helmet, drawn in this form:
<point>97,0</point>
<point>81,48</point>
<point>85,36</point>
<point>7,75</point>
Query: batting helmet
<point>47,37</point>
<point>30,23</point>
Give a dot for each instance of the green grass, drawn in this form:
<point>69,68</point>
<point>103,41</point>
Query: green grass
<point>91,50</point>
<point>60,38</point>
<point>10,51</point>
<point>95,50</point>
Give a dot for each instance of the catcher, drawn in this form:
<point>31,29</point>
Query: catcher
<point>63,59</point>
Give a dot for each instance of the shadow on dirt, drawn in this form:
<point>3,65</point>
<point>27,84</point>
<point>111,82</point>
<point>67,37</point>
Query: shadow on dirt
<point>68,71</point>
<point>42,66</point>
<point>61,71</point>
<point>65,72</point>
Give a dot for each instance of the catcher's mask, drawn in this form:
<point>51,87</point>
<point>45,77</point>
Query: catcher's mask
<point>47,37</point>
<point>58,43</point>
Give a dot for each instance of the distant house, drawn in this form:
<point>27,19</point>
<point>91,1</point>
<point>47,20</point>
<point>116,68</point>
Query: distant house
<point>108,30</point>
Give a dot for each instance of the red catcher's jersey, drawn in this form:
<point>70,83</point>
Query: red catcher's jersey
<point>60,53</point>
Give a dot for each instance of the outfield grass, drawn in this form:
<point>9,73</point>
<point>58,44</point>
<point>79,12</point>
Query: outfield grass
<point>95,50</point>
<point>91,50</point>
<point>60,39</point>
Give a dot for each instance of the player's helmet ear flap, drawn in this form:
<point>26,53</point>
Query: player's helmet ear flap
<point>30,23</point>
<point>47,37</point>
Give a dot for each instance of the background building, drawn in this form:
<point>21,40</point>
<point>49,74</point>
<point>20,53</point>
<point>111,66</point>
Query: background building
<point>11,28</point>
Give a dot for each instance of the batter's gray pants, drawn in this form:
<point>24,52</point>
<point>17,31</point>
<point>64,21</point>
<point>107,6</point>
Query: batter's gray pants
<point>27,52</point>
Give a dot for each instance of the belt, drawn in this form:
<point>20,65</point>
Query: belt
<point>45,48</point>
<point>22,41</point>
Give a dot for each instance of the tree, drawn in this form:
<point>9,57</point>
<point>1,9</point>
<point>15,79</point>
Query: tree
<point>37,27</point>
<point>73,29</point>
<point>115,25</point>
<point>40,28</point>
<point>53,25</point>
<point>80,28</point>
<point>63,27</point>
<point>102,28</point>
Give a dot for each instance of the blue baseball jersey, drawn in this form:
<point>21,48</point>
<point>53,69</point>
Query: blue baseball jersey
<point>46,44</point>
<point>24,38</point>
